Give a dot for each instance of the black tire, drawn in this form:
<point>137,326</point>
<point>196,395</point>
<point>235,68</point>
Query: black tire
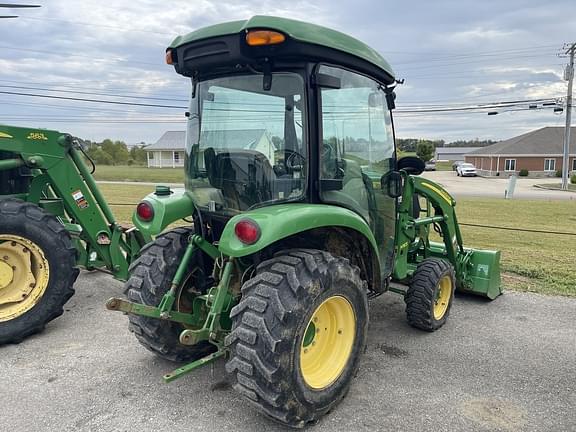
<point>268,327</point>
<point>30,222</point>
<point>422,296</point>
<point>150,278</point>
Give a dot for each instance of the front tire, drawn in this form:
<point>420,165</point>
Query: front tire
<point>150,278</point>
<point>430,294</point>
<point>297,335</point>
<point>37,269</point>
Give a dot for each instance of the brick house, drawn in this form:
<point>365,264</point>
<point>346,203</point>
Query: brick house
<point>539,152</point>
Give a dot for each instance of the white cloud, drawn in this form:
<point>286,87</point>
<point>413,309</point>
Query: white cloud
<point>451,52</point>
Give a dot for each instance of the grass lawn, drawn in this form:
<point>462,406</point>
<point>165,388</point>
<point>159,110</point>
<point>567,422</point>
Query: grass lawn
<point>543,263</point>
<point>170,175</point>
<point>139,174</point>
<point>444,166</point>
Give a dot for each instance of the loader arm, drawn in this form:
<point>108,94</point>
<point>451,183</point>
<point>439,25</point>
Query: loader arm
<point>63,185</point>
<point>477,271</point>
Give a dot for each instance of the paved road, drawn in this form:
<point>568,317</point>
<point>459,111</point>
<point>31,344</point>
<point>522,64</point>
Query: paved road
<point>467,187</point>
<point>496,187</point>
<point>508,365</point>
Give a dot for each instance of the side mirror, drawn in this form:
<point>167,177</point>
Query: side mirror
<point>412,165</point>
<point>390,100</point>
<point>392,183</point>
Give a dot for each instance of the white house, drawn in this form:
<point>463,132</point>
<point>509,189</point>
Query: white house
<point>169,150</point>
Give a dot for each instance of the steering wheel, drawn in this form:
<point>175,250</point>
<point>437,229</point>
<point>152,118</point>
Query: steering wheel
<point>294,161</point>
<point>332,168</point>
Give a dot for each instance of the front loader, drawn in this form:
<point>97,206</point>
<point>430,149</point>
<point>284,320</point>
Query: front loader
<point>300,213</point>
<point>53,219</point>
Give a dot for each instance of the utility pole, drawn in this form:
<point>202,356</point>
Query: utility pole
<point>570,76</point>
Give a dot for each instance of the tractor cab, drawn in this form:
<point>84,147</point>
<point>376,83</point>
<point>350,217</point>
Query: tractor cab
<point>283,112</point>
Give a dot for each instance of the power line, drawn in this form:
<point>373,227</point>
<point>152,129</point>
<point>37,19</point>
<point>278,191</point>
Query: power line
<point>72,108</point>
<point>476,107</point>
<point>91,24</point>
<point>91,100</point>
<point>443,54</point>
<point>480,104</point>
<point>176,98</point>
<point>81,86</point>
<point>93,93</point>
<point>518,229</point>
<point>63,54</point>
<point>471,61</point>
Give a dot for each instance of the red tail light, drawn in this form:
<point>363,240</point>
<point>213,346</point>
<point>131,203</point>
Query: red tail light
<point>145,211</point>
<point>247,231</point>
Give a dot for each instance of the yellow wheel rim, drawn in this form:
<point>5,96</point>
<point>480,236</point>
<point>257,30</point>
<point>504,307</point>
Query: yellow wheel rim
<point>327,342</point>
<point>24,276</point>
<point>443,297</point>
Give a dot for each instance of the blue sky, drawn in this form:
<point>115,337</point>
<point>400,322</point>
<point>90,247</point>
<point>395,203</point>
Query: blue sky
<point>451,53</point>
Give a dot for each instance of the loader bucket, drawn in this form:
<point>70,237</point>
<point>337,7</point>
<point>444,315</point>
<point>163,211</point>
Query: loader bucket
<point>483,274</point>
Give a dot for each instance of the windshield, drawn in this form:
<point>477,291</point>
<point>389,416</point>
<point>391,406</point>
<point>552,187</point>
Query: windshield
<point>244,144</point>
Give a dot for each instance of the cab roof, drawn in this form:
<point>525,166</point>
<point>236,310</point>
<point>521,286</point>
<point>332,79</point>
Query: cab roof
<point>298,30</point>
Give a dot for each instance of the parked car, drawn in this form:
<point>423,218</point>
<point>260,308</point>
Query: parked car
<point>466,170</point>
<point>455,165</point>
<point>430,165</point>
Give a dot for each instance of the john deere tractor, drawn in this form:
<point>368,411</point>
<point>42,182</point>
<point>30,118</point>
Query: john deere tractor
<point>301,213</point>
<point>53,219</point>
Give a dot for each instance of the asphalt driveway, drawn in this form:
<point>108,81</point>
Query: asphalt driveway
<point>507,365</point>
<point>492,187</point>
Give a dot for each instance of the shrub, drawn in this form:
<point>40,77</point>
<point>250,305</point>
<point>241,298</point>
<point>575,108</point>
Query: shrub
<point>130,162</point>
<point>573,179</point>
<point>523,172</point>
<point>558,173</point>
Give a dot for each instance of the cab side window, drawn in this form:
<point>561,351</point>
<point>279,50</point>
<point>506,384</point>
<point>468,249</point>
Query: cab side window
<point>357,153</point>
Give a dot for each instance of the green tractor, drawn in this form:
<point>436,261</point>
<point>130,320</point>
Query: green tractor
<point>53,219</point>
<point>301,213</point>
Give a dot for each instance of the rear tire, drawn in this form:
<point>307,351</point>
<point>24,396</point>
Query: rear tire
<point>297,335</point>
<point>430,294</point>
<point>36,251</point>
<point>150,278</point>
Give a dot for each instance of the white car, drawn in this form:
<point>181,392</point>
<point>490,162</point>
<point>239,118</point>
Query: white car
<point>466,170</point>
<point>430,165</point>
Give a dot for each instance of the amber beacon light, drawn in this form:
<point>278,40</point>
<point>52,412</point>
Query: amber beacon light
<point>264,37</point>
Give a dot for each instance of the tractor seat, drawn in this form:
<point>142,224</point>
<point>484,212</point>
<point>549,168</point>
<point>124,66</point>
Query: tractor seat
<point>243,176</point>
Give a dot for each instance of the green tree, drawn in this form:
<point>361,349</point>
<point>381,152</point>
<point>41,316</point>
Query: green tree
<point>117,150</point>
<point>138,154</point>
<point>425,150</point>
<point>99,156</point>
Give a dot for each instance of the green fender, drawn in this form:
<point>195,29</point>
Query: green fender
<point>283,220</point>
<point>167,209</point>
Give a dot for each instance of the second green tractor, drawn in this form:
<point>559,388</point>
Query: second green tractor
<point>300,213</point>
